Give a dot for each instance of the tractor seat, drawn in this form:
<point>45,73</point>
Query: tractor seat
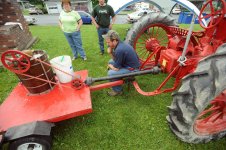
<point>184,32</point>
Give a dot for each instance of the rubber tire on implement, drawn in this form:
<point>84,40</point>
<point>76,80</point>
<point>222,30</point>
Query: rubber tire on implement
<point>196,93</point>
<point>45,143</point>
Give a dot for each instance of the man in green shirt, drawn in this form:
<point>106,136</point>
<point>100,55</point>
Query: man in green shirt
<point>101,18</point>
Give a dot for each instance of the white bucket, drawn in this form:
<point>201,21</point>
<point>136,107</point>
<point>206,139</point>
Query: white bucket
<point>63,63</point>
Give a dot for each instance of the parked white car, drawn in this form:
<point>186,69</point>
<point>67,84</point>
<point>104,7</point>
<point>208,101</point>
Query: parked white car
<point>176,10</point>
<point>133,17</point>
<point>35,10</point>
<point>30,20</point>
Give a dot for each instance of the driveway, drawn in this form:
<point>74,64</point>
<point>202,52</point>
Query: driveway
<point>53,19</point>
<point>46,19</point>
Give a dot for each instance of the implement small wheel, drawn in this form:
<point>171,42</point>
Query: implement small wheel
<point>16,61</point>
<point>197,113</point>
<point>149,33</point>
<point>31,143</point>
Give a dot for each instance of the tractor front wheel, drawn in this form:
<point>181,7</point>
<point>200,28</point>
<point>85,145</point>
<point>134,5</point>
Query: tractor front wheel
<point>197,113</point>
<point>149,33</point>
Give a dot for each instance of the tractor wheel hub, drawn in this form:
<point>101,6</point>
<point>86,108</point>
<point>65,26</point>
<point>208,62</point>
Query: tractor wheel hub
<point>152,44</point>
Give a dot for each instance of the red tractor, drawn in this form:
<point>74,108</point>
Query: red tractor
<point>198,111</point>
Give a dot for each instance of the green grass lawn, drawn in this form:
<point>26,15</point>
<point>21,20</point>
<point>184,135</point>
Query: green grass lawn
<point>25,12</point>
<point>130,121</point>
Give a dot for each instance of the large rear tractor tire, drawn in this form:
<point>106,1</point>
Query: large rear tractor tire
<point>197,113</point>
<point>150,30</point>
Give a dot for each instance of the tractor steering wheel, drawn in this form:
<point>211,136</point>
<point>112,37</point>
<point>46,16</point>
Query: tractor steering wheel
<point>16,61</point>
<point>215,15</point>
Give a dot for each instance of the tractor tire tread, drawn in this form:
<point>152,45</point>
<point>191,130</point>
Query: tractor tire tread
<point>145,21</point>
<point>195,94</point>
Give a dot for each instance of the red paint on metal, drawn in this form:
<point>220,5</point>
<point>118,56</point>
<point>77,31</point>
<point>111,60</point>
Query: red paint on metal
<point>58,104</point>
<point>144,39</point>
<point>78,84</point>
<point>152,44</point>
<point>152,59</point>
<point>215,15</point>
<point>15,61</point>
<point>168,59</point>
<point>105,85</point>
<point>159,90</point>
<point>213,119</point>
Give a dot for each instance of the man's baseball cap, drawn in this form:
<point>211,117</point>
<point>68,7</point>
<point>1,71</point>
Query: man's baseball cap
<point>112,35</point>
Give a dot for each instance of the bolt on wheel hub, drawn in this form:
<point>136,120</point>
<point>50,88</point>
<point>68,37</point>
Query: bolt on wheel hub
<point>152,44</point>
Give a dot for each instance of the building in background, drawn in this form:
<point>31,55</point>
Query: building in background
<point>54,6</point>
<point>14,31</point>
<point>24,4</point>
<point>141,5</point>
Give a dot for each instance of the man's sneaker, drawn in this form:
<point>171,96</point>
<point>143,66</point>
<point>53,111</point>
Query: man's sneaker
<point>114,93</point>
<point>101,53</point>
<point>74,58</point>
<point>84,58</point>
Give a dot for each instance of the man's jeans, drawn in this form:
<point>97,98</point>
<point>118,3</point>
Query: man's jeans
<point>102,31</point>
<point>119,72</point>
<point>75,42</point>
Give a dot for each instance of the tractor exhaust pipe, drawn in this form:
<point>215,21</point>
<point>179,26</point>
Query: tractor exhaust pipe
<point>155,70</point>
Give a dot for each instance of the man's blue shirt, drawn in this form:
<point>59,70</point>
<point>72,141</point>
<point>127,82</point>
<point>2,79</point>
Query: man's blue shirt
<point>125,56</point>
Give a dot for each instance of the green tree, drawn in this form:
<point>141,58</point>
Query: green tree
<point>39,4</point>
<point>36,2</point>
<point>95,2</point>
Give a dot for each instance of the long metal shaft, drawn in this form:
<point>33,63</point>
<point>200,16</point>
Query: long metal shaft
<point>182,58</point>
<point>155,70</point>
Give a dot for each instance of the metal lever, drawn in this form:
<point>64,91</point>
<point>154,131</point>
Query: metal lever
<point>182,59</point>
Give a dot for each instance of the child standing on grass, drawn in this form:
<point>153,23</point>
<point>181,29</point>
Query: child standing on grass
<point>70,23</point>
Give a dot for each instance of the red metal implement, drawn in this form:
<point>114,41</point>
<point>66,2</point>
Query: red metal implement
<point>59,104</point>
